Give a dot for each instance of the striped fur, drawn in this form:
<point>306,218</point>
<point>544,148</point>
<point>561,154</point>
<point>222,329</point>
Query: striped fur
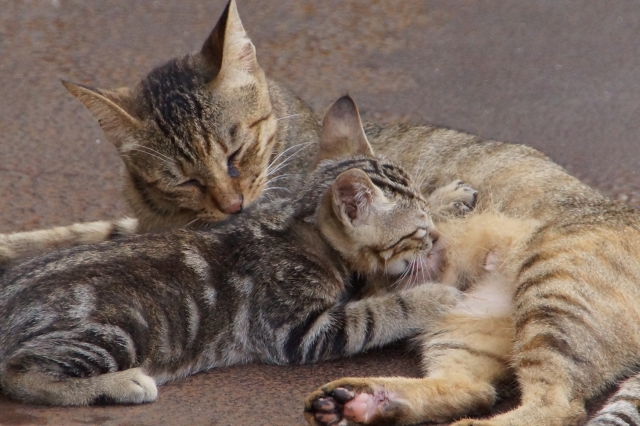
<point>112,320</point>
<point>574,311</point>
<point>575,305</point>
<point>201,137</point>
<point>623,408</point>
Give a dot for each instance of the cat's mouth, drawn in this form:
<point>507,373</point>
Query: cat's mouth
<point>425,268</point>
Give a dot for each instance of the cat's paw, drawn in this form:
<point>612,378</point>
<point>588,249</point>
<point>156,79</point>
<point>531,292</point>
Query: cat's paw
<point>454,199</point>
<point>348,402</point>
<point>128,387</point>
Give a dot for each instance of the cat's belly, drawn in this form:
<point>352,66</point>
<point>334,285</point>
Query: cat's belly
<point>492,296</point>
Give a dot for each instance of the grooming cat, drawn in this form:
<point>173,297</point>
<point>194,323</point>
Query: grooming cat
<point>201,137</point>
<point>575,306</point>
<point>113,320</point>
<point>467,352</point>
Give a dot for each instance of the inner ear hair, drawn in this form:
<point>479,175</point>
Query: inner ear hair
<point>353,196</point>
<point>108,108</point>
<point>342,132</point>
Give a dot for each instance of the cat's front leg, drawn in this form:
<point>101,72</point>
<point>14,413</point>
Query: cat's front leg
<point>355,326</point>
<point>465,360</point>
<point>452,200</point>
<point>396,400</point>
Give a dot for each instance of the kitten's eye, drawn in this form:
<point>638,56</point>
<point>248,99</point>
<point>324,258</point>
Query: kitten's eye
<point>192,182</point>
<point>232,170</point>
<point>233,131</point>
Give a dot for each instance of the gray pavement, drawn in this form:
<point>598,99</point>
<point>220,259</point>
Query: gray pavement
<point>562,76</point>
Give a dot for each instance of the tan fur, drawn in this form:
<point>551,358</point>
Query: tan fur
<point>548,295</point>
<point>24,244</point>
<point>467,353</point>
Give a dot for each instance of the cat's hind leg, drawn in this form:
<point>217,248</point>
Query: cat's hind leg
<point>97,366</point>
<point>576,323</point>
<point>130,386</point>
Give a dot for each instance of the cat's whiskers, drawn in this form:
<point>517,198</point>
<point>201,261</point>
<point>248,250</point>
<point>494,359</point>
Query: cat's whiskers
<point>170,183</point>
<point>277,178</point>
<point>192,222</point>
<point>152,155</point>
<point>284,152</point>
<point>151,150</point>
<point>422,270</point>
<point>276,187</point>
<point>284,163</point>
<point>403,275</point>
<point>271,169</point>
<point>288,116</point>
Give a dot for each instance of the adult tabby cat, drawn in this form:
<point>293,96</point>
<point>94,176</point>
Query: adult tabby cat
<point>113,320</point>
<point>576,313</point>
<point>201,137</point>
<point>574,309</point>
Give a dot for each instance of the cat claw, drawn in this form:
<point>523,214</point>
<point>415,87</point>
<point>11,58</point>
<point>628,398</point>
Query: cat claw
<point>328,408</point>
<point>468,197</point>
<point>457,199</point>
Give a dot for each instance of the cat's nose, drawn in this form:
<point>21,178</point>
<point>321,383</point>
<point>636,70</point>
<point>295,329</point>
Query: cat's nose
<point>434,235</point>
<point>233,205</point>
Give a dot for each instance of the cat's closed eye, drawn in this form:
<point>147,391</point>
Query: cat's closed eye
<point>192,182</point>
<point>232,170</point>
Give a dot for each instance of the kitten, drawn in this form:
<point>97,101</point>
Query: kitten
<point>111,321</point>
<point>467,352</point>
<point>201,137</point>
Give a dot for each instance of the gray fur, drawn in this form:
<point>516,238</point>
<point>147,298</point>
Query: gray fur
<point>113,319</point>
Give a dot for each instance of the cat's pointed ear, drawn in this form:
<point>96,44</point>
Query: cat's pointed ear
<point>342,132</point>
<point>108,108</point>
<point>230,50</point>
<point>354,196</point>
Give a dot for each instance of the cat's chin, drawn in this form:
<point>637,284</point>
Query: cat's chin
<point>427,269</point>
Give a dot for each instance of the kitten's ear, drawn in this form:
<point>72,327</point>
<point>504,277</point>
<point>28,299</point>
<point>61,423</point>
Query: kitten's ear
<point>230,50</point>
<point>353,197</point>
<point>107,107</point>
<point>342,132</point>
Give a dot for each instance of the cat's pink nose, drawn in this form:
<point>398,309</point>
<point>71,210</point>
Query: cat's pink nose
<point>234,206</point>
<point>435,235</point>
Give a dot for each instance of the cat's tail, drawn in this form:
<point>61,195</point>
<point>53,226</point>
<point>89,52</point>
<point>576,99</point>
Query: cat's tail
<point>623,408</point>
<point>20,245</point>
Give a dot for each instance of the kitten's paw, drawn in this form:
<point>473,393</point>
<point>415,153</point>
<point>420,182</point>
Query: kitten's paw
<point>348,402</point>
<point>456,198</point>
<point>128,387</point>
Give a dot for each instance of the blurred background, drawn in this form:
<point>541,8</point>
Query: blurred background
<point>562,76</point>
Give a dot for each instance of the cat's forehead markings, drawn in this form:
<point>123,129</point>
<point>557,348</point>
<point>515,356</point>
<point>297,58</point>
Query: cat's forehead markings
<point>261,119</point>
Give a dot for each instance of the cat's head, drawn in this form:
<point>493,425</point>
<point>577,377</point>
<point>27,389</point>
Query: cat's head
<point>196,133</point>
<point>367,208</point>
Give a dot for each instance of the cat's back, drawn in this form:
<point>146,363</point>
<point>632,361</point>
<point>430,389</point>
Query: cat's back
<point>512,178</point>
<point>136,259</point>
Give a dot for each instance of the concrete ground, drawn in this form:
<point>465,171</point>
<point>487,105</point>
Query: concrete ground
<point>562,76</point>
